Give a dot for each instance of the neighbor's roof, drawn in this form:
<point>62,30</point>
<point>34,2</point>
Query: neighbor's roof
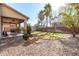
<point>14,10</point>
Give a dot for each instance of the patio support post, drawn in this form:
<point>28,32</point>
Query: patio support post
<point>0,21</point>
<point>0,28</point>
<point>25,26</point>
<point>19,26</point>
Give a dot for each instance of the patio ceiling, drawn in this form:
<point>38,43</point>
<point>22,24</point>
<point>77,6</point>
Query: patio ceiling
<point>11,20</point>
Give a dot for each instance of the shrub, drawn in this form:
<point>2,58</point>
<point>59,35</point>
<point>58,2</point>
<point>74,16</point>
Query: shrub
<point>27,34</point>
<point>28,29</point>
<point>38,28</point>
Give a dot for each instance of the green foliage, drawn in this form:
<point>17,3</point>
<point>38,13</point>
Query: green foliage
<point>38,27</point>
<point>70,19</point>
<point>28,29</point>
<point>49,35</point>
<point>47,9</point>
<point>45,15</point>
<point>28,33</point>
<point>47,12</point>
<point>41,15</point>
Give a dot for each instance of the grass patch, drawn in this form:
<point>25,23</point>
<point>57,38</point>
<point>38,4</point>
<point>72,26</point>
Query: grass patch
<point>48,35</point>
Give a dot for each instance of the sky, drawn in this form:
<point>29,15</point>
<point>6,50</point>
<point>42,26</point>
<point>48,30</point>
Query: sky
<point>32,9</point>
<point>29,9</point>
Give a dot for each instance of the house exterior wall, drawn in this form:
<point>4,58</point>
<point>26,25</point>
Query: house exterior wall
<point>0,22</point>
<point>8,20</point>
<point>7,27</point>
<point>9,23</point>
<point>0,29</point>
<point>7,14</point>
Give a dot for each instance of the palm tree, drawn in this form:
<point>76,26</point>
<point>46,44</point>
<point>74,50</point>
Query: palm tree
<point>47,12</point>
<point>41,16</point>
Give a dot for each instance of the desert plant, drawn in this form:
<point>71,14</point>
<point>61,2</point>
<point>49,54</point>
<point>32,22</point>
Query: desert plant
<point>28,32</point>
<point>28,29</point>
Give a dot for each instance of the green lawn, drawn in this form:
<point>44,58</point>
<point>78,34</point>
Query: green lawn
<point>48,35</point>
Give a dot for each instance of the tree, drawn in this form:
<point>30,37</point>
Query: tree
<point>47,12</point>
<point>28,32</point>
<point>74,5</point>
<point>39,22</point>
<point>70,19</point>
<point>41,17</point>
<point>29,29</point>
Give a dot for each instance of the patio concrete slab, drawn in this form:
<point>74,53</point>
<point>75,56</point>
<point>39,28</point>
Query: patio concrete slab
<point>18,47</point>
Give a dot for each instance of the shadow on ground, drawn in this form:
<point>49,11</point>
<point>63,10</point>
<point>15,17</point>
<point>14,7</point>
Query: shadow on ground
<point>11,42</point>
<point>26,44</point>
<point>70,46</point>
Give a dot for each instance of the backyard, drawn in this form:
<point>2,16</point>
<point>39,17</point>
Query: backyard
<point>53,33</point>
<point>64,44</point>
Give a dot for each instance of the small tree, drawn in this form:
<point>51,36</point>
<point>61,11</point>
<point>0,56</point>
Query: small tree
<point>70,19</point>
<point>28,29</point>
<point>28,32</point>
<point>38,27</point>
<point>41,17</point>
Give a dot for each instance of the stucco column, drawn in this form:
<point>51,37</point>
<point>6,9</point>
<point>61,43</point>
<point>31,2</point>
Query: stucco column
<point>19,26</point>
<point>25,25</point>
<point>0,28</point>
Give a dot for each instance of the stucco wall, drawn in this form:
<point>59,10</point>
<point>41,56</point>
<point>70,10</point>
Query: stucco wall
<point>0,23</point>
<point>9,12</point>
<point>0,27</point>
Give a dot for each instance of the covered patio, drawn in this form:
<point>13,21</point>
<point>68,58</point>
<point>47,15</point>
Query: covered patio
<point>10,19</point>
<point>9,24</point>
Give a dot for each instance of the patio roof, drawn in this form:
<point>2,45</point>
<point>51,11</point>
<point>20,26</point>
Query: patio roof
<point>3,4</point>
<point>10,18</point>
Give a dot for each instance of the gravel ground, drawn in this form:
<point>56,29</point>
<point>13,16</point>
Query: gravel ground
<point>18,47</point>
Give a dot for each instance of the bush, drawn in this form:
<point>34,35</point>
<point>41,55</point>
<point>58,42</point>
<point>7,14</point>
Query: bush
<point>38,28</point>
<point>27,34</point>
<point>28,29</point>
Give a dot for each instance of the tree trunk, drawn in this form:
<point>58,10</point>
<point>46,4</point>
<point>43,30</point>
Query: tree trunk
<point>74,35</point>
<point>73,29</point>
<point>74,32</point>
<point>46,21</point>
<point>0,28</point>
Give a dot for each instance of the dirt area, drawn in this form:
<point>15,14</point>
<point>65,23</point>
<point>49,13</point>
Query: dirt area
<point>18,47</point>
